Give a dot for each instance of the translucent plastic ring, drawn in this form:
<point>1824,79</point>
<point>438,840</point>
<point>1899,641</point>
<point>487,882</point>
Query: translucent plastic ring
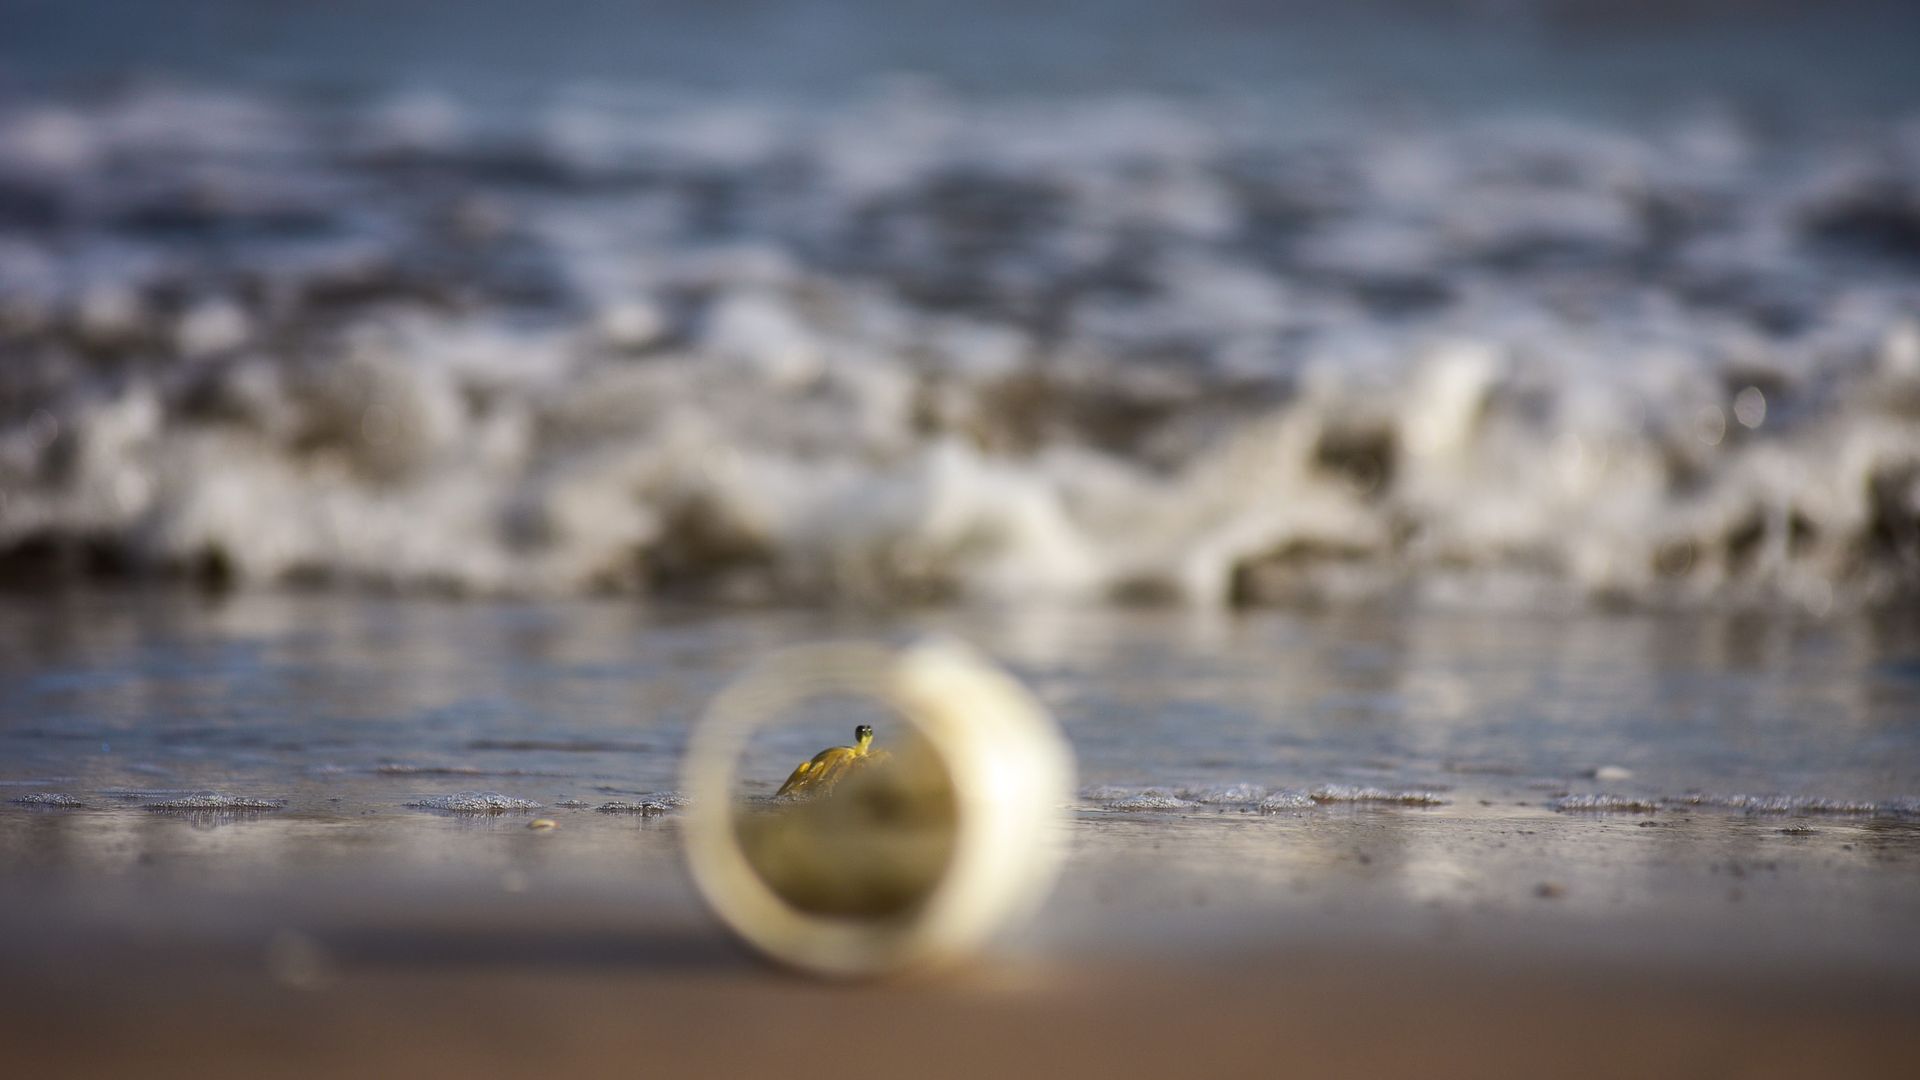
<point>1011,773</point>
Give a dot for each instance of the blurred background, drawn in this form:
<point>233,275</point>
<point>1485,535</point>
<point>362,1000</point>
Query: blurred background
<point>1452,468</point>
<point>1503,302</point>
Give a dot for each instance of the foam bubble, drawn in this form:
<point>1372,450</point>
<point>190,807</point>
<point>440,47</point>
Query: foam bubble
<point>1784,804</point>
<point>1005,357</point>
<point>1605,803</point>
<point>643,807</point>
<point>474,802</point>
<point>1279,801</point>
<point>1224,794</point>
<point>212,800</point>
<point>50,798</point>
<point>1150,800</point>
<point>1602,802</point>
<point>1250,796</point>
<point>1351,793</point>
<point>1112,797</point>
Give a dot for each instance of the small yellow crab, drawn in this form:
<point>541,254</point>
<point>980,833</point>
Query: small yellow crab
<point>820,774</point>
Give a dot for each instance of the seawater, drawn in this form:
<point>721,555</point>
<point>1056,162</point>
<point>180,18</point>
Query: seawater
<point>310,704</point>
<point>1744,785</point>
<point>910,345</point>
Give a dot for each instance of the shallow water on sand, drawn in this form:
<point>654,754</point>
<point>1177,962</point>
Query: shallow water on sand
<point>1710,781</point>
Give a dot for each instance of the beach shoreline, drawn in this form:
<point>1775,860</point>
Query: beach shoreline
<point>687,1002</point>
<point>289,835</point>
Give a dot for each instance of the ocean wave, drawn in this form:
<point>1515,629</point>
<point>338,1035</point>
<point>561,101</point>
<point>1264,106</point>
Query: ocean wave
<point>910,348</point>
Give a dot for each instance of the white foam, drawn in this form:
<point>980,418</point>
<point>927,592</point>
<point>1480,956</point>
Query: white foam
<point>50,798</point>
<point>1251,797</point>
<point>1224,794</point>
<point>1605,803</point>
<point>474,802</point>
<point>939,367</point>
<point>1278,801</point>
<point>1352,793</point>
<point>1788,804</point>
<point>1602,802</point>
<point>1112,797</point>
<point>213,800</point>
<point>644,807</point>
<point>1150,800</point>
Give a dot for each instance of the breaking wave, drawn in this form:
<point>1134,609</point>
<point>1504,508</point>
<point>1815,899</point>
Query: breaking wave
<point>910,347</point>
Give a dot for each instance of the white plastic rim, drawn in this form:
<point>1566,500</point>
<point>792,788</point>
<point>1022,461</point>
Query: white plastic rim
<point>1012,774</point>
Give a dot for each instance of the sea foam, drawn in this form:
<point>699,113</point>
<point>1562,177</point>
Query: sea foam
<point>50,798</point>
<point>211,800</point>
<point>474,802</point>
<point>1014,355</point>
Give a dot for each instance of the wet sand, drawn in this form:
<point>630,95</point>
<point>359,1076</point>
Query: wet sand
<point>1188,945</point>
<point>723,1022</point>
<point>553,1000</point>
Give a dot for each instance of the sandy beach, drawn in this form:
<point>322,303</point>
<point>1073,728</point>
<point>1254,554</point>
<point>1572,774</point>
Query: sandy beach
<point>1452,941</point>
<point>540,993</point>
<point>290,834</point>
